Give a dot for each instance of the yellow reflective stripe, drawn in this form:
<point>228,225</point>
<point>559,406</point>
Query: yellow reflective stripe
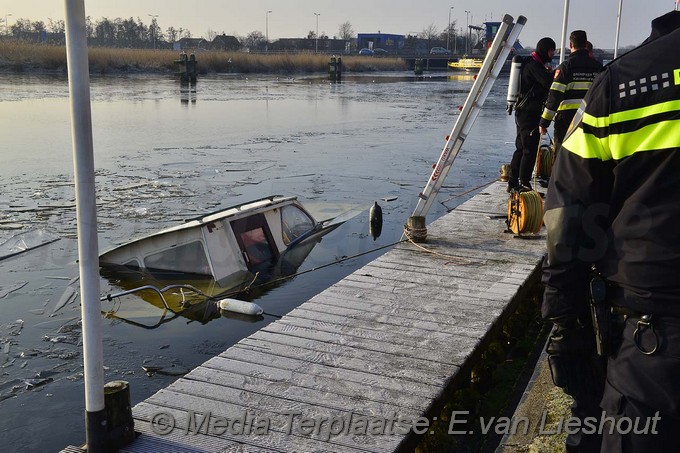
<point>579,85</point>
<point>557,86</point>
<point>676,75</point>
<point>548,114</point>
<point>630,115</point>
<point>653,137</point>
<point>569,104</point>
<point>663,135</point>
<point>587,145</point>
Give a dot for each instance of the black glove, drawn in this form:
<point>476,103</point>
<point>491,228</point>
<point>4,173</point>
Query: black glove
<point>508,108</point>
<point>574,365</point>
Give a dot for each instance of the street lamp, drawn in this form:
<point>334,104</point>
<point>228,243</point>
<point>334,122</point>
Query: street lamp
<point>448,29</point>
<point>467,36</point>
<point>266,31</point>
<point>153,18</point>
<point>316,44</point>
<point>7,24</point>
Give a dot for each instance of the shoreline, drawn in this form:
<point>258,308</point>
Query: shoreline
<point>19,57</point>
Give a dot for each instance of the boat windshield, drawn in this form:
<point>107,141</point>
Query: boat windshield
<point>295,223</point>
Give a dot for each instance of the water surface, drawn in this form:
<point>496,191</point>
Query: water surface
<point>164,153</point>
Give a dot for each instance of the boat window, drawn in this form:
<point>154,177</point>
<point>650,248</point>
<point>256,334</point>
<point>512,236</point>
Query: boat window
<point>295,223</point>
<point>185,259</point>
<point>256,246</point>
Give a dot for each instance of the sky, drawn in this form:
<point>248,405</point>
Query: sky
<point>296,18</point>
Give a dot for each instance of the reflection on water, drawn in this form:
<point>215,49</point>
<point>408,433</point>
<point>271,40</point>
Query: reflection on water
<point>231,139</point>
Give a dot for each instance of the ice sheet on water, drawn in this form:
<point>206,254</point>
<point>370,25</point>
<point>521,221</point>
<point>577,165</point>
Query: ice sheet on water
<point>26,241</point>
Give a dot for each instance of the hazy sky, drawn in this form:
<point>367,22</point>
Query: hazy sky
<point>295,18</point>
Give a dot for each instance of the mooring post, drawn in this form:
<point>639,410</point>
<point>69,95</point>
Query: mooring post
<point>182,67</point>
<point>415,228</point>
<point>418,66</point>
<point>331,68</point>
<point>121,425</point>
<point>191,68</point>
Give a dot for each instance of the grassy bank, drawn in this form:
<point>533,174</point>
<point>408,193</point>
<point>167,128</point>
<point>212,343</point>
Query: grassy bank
<point>19,56</point>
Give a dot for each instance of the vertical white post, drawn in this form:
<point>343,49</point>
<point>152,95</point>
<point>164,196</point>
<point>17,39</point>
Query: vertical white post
<point>83,163</point>
<point>565,19</point>
<point>618,29</point>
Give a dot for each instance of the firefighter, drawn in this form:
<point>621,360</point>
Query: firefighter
<point>571,81</point>
<point>613,202</point>
<point>536,77</point>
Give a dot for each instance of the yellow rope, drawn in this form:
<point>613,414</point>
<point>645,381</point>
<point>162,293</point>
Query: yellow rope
<point>443,255</point>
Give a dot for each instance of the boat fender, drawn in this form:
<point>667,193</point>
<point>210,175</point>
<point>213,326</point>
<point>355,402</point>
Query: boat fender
<point>514,82</point>
<point>375,220</point>
<point>240,306</point>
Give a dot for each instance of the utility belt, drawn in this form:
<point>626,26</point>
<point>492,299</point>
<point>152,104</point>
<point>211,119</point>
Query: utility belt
<point>609,321</point>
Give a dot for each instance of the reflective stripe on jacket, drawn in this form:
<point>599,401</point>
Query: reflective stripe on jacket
<point>572,80</point>
<point>614,194</point>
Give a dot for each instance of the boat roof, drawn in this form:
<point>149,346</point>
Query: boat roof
<point>231,211</point>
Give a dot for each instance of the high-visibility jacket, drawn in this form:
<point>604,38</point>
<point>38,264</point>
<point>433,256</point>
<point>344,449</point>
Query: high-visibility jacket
<point>614,194</point>
<point>571,81</point>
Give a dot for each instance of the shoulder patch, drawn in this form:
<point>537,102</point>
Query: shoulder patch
<point>557,73</point>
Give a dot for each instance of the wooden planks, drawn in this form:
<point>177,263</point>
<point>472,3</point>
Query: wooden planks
<point>383,344</point>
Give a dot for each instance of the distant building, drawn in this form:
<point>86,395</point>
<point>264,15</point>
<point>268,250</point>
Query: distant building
<point>325,45</point>
<point>224,42</point>
<point>191,44</point>
<point>391,43</point>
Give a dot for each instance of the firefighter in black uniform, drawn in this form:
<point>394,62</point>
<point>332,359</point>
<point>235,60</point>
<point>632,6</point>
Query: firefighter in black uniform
<point>571,81</point>
<point>614,201</point>
<point>534,85</point>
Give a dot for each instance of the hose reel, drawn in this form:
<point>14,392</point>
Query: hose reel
<point>545,160</point>
<point>525,212</point>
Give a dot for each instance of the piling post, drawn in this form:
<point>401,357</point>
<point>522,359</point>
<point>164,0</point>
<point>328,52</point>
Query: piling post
<point>86,219</point>
<point>191,68</point>
<point>121,425</point>
<point>418,66</point>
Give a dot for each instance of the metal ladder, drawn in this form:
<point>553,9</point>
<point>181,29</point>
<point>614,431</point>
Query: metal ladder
<point>493,63</point>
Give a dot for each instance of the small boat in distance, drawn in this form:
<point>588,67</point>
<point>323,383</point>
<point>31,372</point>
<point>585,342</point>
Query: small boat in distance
<point>466,64</point>
<point>227,246</point>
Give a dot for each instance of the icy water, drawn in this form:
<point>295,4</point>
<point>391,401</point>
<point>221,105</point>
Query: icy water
<point>165,153</point>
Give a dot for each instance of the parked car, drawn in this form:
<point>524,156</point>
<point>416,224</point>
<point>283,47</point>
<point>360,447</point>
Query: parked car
<point>380,52</point>
<point>439,51</point>
<point>366,51</point>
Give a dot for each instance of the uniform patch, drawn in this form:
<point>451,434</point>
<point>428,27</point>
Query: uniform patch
<point>557,73</point>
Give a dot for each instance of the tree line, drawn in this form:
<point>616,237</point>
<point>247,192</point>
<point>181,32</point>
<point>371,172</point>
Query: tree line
<point>133,32</point>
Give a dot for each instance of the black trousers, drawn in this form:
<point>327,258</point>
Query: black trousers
<point>641,387</point>
<point>562,122</point>
<point>526,147</point>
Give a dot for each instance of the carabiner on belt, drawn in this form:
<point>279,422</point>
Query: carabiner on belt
<point>643,324</point>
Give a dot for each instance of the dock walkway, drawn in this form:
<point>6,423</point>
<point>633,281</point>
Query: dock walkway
<point>347,370</point>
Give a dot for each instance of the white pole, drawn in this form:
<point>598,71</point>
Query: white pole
<point>83,163</point>
<point>316,42</point>
<point>565,19</point>
<point>618,29</point>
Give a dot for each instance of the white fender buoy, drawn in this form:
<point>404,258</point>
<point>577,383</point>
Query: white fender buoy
<point>240,306</point>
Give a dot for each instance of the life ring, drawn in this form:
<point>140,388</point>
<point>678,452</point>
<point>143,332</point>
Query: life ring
<point>525,212</point>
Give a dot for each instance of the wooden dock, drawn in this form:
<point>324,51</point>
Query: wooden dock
<point>345,370</point>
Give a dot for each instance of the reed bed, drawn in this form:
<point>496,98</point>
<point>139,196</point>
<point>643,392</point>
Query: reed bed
<point>21,56</point>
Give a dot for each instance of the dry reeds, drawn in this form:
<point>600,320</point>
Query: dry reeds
<point>22,56</point>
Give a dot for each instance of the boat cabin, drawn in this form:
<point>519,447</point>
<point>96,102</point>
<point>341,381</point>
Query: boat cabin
<point>225,245</point>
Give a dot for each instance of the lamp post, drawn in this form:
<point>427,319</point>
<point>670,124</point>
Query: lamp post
<point>7,24</point>
<point>467,36</point>
<point>266,31</point>
<point>316,44</point>
<point>448,29</point>
<point>153,18</point>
